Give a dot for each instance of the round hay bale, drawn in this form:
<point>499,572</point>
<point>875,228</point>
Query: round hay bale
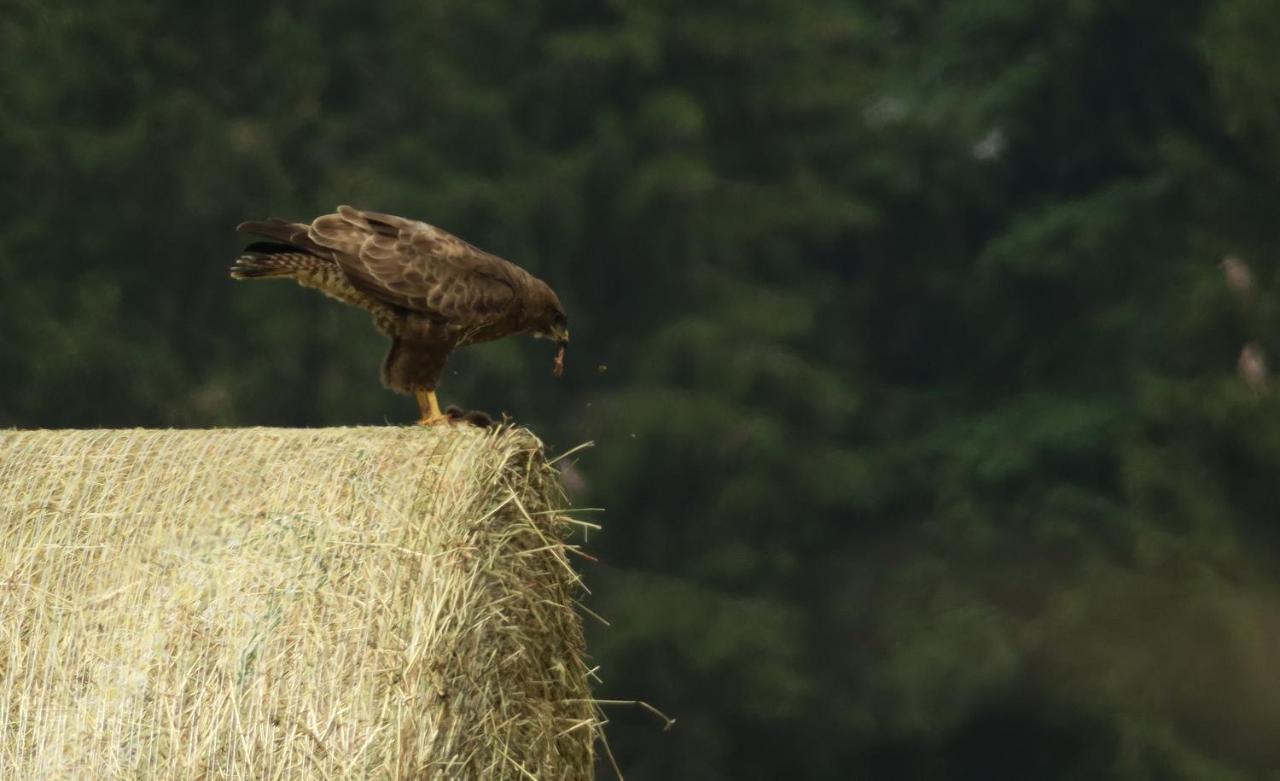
<point>283,603</point>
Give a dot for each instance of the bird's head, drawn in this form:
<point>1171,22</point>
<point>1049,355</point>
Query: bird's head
<point>544,315</point>
<point>558,331</point>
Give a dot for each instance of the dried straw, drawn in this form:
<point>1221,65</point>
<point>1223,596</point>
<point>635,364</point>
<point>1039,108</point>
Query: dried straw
<point>272,604</point>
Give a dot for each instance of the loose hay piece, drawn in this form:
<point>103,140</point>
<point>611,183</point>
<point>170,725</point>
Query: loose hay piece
<point>275,603</point>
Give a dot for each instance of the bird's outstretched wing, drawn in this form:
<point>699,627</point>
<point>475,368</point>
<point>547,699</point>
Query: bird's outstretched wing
<point>417,266</point>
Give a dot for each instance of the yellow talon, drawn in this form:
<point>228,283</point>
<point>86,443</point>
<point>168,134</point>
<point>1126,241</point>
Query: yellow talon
<point>430,409</point>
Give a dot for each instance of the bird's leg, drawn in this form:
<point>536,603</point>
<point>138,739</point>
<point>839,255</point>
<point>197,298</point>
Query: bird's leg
<point>430,408</point>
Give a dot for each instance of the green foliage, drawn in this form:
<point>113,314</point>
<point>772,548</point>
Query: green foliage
<point>897,325</point>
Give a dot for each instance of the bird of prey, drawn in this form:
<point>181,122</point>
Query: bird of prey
<point>428,290</point>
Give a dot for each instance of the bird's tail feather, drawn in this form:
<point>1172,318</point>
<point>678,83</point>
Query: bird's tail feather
<point>263,260</point>
<point>292,234</point>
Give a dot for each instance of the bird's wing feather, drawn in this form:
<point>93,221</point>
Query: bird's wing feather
<point>417,266</point>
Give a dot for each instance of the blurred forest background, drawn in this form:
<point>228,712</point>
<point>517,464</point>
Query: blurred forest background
<point>898,324</point>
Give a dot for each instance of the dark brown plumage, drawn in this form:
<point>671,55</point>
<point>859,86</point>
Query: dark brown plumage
<point>428,290</point>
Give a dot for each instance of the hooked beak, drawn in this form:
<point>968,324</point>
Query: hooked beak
<point>560,336</point>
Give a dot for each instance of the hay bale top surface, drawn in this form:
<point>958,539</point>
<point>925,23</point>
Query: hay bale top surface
<point>280,603</point>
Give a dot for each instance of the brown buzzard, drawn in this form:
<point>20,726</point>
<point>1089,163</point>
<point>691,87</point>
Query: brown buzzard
<point>428,290</point>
